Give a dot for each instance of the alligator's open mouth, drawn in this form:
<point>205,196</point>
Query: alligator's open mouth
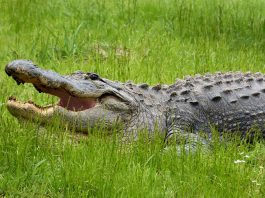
<point>74,94</point>
<point>66,100</point>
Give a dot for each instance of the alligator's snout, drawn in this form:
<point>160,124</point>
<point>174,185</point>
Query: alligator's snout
<point>18,66</point>
<point>24,71</point>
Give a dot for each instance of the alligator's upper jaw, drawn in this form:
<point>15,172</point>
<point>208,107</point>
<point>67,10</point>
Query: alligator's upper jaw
<point>24,71</point>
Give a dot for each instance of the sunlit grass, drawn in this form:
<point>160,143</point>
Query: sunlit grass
<point>144,41</point>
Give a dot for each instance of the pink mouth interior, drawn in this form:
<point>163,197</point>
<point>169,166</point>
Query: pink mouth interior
<point>68,101</point>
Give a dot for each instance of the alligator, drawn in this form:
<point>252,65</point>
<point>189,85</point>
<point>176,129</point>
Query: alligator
<point>232,102</point>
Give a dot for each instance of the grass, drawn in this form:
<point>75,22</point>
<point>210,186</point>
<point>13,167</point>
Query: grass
<point>151,41</point>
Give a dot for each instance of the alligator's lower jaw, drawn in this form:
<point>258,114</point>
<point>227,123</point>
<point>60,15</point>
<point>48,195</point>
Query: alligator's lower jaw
<point>32,111</point>
<point>28,110</point>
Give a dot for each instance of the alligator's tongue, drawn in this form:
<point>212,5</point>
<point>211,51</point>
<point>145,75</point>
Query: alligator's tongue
<point>76,104</point>
<point>68,101</point>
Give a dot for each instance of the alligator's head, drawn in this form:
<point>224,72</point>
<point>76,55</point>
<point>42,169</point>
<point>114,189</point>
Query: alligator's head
<point>85,99</point>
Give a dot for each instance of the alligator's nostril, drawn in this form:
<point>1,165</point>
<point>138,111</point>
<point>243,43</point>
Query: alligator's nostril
<point>93,76</point>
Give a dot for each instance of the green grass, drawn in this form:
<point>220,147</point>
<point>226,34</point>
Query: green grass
<point>145,41</point>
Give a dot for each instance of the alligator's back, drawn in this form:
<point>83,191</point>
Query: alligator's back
<point>230,102</point>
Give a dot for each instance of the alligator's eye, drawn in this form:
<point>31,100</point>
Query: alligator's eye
<point>92,76</point>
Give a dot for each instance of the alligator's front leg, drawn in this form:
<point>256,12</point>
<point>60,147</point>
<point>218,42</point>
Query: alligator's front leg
<point>185,130</point>
<point>186,140</point>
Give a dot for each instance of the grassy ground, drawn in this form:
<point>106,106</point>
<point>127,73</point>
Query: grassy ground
<point>151,41</point>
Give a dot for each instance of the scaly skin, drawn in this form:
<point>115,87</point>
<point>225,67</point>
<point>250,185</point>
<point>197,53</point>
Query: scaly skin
<point>231,102</point>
